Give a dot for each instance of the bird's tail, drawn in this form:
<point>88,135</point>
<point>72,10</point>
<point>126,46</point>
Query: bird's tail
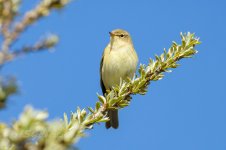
<point>113,122</point>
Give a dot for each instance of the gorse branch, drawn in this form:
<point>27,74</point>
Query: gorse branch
<point>11,29</point>
<point>119,97</point>
<point>62,134</point>
<point>41,10</point>
<point>47,43</point>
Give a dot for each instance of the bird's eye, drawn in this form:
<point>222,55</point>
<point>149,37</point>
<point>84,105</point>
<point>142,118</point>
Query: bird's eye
<point>121,35</point>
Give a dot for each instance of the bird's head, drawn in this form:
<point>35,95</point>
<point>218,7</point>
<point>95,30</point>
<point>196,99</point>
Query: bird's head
<point>119,35</point>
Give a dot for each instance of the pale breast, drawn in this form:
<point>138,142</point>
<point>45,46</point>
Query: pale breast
<point>118,64</point>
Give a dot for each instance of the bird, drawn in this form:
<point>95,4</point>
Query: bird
<point>119,62</point>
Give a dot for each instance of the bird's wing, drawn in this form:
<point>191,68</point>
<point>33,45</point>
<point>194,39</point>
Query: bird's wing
<point>101,81</point>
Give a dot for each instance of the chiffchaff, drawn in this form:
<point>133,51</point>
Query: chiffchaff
<point>119,61</point>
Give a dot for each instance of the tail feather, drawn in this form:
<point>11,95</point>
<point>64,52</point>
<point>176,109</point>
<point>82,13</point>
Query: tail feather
<point>113,122</point>
<point>108,123</point>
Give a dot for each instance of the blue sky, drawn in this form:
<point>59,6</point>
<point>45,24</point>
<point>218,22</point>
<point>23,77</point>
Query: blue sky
<point>184,111</point>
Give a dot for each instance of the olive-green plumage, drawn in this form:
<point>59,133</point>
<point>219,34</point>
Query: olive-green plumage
<point>119,60</point>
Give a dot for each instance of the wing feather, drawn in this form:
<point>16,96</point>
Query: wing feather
<point>101,81</point>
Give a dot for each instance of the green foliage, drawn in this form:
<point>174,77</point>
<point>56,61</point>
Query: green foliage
<point>8,87</point>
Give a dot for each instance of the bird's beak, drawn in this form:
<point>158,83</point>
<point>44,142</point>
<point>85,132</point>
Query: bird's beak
<point>111,34</point>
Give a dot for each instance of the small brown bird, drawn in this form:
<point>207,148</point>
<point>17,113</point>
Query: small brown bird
<point>119,61</point>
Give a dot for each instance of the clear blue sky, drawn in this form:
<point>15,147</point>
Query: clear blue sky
<point>184,111</point>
